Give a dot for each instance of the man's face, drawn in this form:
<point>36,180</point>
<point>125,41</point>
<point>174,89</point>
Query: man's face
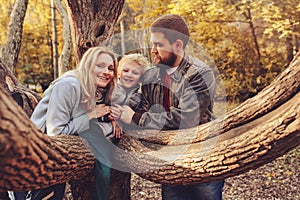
<point>162,50</point>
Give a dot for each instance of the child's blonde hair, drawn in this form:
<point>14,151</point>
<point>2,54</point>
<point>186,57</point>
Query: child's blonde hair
<point>135,58</point>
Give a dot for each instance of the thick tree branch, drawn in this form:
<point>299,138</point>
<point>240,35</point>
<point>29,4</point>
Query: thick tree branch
<point>31,159</point>
<point>258,131</point>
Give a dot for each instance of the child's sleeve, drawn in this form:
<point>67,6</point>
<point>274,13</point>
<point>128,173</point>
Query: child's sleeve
<point>134,101</point>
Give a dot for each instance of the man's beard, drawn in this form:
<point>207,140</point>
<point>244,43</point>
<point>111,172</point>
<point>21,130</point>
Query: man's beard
<point>169,61</point>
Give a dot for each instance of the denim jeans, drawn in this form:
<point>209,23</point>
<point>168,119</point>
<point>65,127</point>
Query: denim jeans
<point>203,191</point>
<point>102,181</point>
<point>101,147</point>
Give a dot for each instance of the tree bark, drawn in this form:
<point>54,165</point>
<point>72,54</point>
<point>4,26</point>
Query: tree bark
<point>258,131</point>
<point>65,56</point>
<point>26,98</point>
<point>92,23</point>
<point>54,41</point>
<point>14,37</point>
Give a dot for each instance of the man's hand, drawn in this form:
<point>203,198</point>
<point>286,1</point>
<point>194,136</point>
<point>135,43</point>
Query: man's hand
<point>127,114</point>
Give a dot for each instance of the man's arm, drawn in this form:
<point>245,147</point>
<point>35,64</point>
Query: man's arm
<point>192,108</point>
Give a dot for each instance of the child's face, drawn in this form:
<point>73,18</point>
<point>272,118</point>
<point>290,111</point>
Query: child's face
<point>130,74</point>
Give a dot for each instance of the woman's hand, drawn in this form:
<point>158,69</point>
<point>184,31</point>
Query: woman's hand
<point>117,129</point>
<point>101,110</point>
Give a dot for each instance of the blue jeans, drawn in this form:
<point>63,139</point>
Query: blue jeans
<point>203,191</point>
<point>102,149</point>
<point>102,181</point>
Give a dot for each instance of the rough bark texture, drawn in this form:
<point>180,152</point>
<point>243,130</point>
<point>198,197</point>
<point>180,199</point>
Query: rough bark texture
<point>14,37</point>
<point>92,22</point>
<point>26,98</point>
<point>30,159</point>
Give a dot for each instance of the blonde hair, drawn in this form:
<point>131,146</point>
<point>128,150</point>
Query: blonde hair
<point>135,58</point>
<point>84,73</point>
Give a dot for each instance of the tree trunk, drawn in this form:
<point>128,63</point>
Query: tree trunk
<point>92,23</point>
<point>54,41</point>
<point>122,29</point>
<point>65,56</point>
<point>14,37</point>
<point>256,132</point>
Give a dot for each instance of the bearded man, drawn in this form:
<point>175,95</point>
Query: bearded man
<point>178,93</point>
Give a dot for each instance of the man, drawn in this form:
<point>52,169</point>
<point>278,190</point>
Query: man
<point>178,93</point>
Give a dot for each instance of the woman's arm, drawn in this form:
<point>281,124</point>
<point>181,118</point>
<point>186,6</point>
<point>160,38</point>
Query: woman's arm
<point>65,99</point>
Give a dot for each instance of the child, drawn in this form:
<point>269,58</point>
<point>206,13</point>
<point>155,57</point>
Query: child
<point>130,70</point>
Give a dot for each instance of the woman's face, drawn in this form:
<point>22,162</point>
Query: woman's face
<point>103,71</point>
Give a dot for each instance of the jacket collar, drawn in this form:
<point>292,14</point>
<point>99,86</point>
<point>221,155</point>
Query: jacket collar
<point>182,68</point>
<point>126,90</point>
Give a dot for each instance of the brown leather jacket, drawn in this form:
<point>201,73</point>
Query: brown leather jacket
<point>192,90</point>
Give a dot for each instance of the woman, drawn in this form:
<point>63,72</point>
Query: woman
<point>69,104</point>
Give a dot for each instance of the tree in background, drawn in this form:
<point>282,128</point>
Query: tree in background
<point>12,47</point>
<point>249,40</point>
<point>35,63</point>
<point>267,127</point>
<point>65,57</point>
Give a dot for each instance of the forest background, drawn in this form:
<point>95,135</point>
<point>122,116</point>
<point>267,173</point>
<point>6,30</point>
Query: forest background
<point>249,42</point>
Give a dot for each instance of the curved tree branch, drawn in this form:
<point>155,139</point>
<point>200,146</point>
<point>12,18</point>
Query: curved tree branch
<point>258,131</point>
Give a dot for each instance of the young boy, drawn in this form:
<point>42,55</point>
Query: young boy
<point>130,70</point>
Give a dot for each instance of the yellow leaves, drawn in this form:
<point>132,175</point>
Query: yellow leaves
<point>6,7</point>
<point>289,173</point>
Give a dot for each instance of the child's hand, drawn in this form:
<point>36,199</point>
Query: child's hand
<point>115,112</point>
<point>117,129</point>
<point>126,114</point>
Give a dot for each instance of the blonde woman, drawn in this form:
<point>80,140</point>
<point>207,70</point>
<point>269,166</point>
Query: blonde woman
<point>69,105</point>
